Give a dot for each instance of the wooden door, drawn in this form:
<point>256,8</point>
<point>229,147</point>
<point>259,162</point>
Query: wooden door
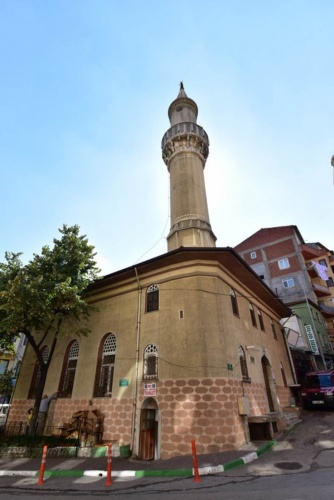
<point>267,383</point>
<point>147,434</point>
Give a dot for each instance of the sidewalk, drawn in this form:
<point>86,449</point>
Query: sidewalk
<point>178,466</point>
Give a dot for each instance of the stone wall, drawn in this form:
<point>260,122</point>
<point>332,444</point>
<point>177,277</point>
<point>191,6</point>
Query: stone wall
<point>204,409</point>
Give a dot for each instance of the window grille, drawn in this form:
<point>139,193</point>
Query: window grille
<point>150,362</point>
<point>283,375</point>
<point>252,313</point>
<point>274,330</point>
<point>105,367</point>
<point>243,365</point>
<point>259,313</point>
<point>36,377</point>
<point>69,369</point>
<point>234,302</point>
<point>152,298</point>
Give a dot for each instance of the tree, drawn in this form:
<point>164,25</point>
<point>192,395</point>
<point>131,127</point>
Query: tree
<point>6,386</point>
<point>7,348</point>
<point>45,299</point>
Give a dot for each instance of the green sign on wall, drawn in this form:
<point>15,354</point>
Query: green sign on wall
<point>230,367</point>
<point>123,382</point>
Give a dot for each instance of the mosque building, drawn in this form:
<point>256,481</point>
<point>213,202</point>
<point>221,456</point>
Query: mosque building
<point>186,345</point>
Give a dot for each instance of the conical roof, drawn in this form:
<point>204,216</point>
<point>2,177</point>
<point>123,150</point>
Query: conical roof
<point>182,109</point>
<point>182,91</point>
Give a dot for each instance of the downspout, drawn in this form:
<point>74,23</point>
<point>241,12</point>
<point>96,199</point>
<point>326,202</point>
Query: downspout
<point>316,336</point>
<point>289,353</point>
<point>135,390</point>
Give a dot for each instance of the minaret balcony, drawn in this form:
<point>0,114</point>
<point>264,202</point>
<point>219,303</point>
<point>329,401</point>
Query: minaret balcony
<point>185,136</point>
<point>185,128</point>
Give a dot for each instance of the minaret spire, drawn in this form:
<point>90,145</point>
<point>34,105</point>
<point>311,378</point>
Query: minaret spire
<point>185,148</point>
<point>182,92</point>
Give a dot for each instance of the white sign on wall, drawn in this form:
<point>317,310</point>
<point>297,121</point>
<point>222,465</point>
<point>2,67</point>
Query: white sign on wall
<point>150,389</point>
<point>311,339</point>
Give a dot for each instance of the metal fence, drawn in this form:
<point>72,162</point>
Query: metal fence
<point>85,432</point>
<point>20,429</point>
<point>13,429</point>
<point>15,442</point>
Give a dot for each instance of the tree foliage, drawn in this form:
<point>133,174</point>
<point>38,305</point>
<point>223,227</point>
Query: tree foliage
<point>6,385</point>
<point>45,298</point>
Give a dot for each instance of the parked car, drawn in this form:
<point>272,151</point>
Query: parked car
<point>4,408</point>
<point>318,389</point>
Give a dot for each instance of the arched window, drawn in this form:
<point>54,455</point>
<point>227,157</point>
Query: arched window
<point>152,298</point>
<point>259,313</point>
<point>69,369</point>
<point>283,375</point>
<point>243,365</point>
<point>150,362</point>
<point>273,329</point>
<point>252,313</point>
<point>36,377</point>
<point>105,367</point>
<point>234,302</point>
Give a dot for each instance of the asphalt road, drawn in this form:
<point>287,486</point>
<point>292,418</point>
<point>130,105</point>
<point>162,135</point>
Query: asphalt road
<point>299,467</point>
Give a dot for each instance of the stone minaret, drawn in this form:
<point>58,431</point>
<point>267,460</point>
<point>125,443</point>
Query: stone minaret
<point>185,148</point>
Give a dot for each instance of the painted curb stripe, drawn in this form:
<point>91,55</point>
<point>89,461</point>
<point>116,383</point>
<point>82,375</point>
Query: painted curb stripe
<point>250,457</point>
<point>27,473</point>
<point>234,463</point>
<point>148,473</point>
<point>170,473</point>
<point>103,473</point>
<point>263,449</point>
<point>64,473</point>
<point>204,471</point>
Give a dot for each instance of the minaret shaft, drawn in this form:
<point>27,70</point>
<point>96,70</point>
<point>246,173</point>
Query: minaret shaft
<point>185,150</point>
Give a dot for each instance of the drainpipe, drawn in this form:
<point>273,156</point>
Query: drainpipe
<point>316,336</point>
<point>285,335</point>
<point>135,391</point>
<point>288,350</point>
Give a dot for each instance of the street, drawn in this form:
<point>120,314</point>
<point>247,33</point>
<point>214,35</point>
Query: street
<point>299,467</point>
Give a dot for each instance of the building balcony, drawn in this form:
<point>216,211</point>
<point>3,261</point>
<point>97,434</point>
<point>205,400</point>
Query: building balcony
<point>321,291</point>
<point>312,272</point>
<point>327,311</point>
<point>309,252</point>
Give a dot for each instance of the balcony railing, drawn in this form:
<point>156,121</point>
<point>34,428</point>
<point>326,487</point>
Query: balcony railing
<point>327,311</point>
<point>320,290</point>
<point>185,128</point>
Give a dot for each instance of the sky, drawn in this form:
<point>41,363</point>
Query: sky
<point>85,87</point>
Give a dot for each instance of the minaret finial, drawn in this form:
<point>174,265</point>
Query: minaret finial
<point>182,92</point>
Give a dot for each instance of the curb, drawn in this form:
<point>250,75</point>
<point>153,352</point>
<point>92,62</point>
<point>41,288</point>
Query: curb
<point>148,473</point>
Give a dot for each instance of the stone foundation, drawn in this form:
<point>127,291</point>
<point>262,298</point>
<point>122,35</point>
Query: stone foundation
<point>205,410</point>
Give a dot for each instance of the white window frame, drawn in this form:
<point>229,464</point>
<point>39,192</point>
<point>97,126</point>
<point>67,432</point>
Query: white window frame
<point>286,282</point>
<point>284,263</point>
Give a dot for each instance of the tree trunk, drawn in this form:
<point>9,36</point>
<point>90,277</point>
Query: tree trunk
<point>39,395</point>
